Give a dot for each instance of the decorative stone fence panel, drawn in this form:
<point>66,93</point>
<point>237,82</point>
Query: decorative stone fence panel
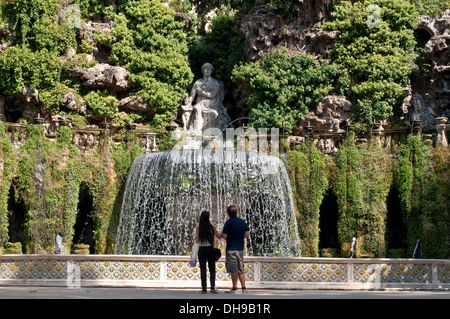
<point>261,272</point>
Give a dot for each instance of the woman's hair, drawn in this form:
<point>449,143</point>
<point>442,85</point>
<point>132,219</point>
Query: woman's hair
<point>205,230</point>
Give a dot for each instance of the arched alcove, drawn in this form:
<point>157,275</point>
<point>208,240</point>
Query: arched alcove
<point>396,230</point>
<point>422,36</point>
<point>84,224</point>
<point>17,211</point>
<point>328,221</point>
<point>421,77</point>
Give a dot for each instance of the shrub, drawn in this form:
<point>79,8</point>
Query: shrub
<point>152,46</point>
<point>285,87</point>
<point>374,53</point>
<point>102,103</point>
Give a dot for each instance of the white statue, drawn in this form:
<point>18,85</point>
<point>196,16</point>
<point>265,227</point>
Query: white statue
<point>353,248</point>
<point>208,111</point>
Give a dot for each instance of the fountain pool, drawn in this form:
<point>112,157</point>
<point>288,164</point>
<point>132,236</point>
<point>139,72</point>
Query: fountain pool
<point>166,192</point>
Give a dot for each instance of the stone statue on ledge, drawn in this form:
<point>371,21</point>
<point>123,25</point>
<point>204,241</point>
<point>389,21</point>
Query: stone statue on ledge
<point>208,110</point>
<point>417,109</point>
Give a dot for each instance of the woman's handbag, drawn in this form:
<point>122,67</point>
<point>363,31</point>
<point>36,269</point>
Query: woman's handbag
<point>217,253</point>
<point>194,253</point>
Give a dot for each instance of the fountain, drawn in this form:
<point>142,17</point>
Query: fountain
<point>59,245</point>
<point>165,193</point>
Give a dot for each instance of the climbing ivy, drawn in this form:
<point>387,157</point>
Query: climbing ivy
<point>422,178</point>
<point>348,190</point>
<point>375,173</point>
<point>362,183</point>
<point>124,155</point>
<point>49,175</point>
<point>8,162</point>
<point>435,205</point>
<point>409,172</point>
<point>309,183</point>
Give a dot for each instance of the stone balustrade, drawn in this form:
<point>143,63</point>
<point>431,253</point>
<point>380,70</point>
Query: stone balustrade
<point>261,272</point>
<point>86,139</point>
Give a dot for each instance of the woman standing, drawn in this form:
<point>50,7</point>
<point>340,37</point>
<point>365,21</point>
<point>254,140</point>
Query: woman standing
<point>204,236</point>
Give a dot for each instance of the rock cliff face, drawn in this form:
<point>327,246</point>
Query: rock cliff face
<point>264,30</point>
<point>105,76</point>
<point>437,51</point>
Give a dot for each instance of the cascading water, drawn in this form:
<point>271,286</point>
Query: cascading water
<point>166,192</point>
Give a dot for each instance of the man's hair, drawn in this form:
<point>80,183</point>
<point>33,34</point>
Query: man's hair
<point>232,210</point>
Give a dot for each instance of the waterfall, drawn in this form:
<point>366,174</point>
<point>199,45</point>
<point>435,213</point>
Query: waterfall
<point>166,192</point>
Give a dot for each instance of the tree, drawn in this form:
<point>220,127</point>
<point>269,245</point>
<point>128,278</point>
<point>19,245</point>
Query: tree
<point>285,87</point>
<point>146,40</point>
<point>374,53</point>
<point>221,46</point>
<point>37,40</point>
<point>431,7</point>
<point>152,46</point>
<point>33,24</point>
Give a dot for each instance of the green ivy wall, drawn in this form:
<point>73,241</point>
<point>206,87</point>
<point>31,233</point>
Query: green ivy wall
<point>46,176</point>
<point>361,175</point>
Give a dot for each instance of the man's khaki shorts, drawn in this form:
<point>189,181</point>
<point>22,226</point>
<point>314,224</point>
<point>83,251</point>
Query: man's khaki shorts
<point>234,261</point>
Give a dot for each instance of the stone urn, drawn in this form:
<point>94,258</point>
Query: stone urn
<point>441,120</point>
<point>39,120</point>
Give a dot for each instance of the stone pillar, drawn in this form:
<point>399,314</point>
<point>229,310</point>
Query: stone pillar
<point>150,144</point>
<point>441,140</point>
<point>377,136</point>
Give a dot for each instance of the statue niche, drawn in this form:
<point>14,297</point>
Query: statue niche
<point>203,109</point>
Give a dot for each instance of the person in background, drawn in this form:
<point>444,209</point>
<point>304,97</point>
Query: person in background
<point>204,236</point>
<point>235,231</point>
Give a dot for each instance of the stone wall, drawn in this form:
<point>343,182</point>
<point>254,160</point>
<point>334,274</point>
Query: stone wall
<point>437,51</point>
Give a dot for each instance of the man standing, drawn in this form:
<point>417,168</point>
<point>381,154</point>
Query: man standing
<point>235,231</point>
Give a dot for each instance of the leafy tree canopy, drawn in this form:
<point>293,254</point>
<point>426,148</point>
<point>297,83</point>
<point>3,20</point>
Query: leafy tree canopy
<point>35,25</point>
<point>152,46</point>
<point>431,7</point>
<point>374,53</point>
<point>221,46</point>
<point>147,40</point>
<point>285,87</point>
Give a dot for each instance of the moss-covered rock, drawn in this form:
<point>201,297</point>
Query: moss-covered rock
<point>13,248</point>
<point>81,249</point>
